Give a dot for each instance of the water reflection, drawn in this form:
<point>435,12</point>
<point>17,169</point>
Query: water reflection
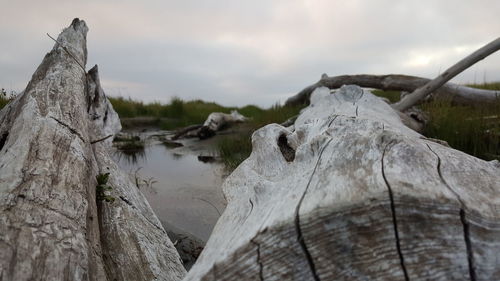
<point>132,157</point>
<point>186,192</point>
<point>177,156</point>
<point>130,148</point>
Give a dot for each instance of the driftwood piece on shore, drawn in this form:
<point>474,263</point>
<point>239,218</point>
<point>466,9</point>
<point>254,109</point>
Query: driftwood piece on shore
<point>182,132</point>
<point>52,146</point>
<point>216,121</point>
<point>394,82</point>
<point>350,193</point>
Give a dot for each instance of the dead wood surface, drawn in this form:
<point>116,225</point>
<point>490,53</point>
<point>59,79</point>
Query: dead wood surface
<point>363,198</point>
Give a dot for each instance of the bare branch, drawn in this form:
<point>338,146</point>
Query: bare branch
<point>181,132</point>
<point>68,52</point>
<point>101,139</point>
<point>422,92</point>
<point>396,82</point>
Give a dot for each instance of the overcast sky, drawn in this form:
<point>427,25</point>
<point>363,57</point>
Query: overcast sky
<point>241,52</point>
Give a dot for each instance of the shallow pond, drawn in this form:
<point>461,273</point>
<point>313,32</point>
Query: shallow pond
<point>184,192</point>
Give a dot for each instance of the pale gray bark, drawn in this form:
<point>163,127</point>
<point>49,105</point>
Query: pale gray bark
<point>350,193</point>
<point>51,225</point>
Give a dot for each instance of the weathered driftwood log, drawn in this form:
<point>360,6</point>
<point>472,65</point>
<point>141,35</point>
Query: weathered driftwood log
<point>53,144</point>
<point>350,193</point>
<point>216,121</point>
<point>393,82</point>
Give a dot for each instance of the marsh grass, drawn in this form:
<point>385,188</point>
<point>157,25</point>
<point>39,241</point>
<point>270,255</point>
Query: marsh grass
<point>392,96</point>
<point>233,149</point>
<point>3,101</point>
<point>132,148</point>
<point>176,114</point>
<point>474,130</point>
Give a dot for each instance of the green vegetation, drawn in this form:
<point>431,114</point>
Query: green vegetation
<point>129,143</point>
<point>474,130</point>
<point>102,187</point>
<point>486,86</point>
<point>392,96</point>
<point>233,149</point>
<point>176,114</point>
<point>6,98</point>
<point>130,147</point>
<point>179,113</point>
<point>3,101</point>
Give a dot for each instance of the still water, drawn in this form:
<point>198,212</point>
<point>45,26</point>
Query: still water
<point>184,192</point>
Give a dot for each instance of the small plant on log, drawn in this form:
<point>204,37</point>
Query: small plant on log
<point>102,187</point>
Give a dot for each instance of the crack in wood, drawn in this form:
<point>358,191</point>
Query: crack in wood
<point>251,209</point>
<point>73,131</point>
<point>331,121</point>
<point>394,217</point>
<point>126,201</point>
<point>3,140</point>
<point>300,238</point>
<point>463,219</point>
<point>261,266</point>
<point>468,245</point>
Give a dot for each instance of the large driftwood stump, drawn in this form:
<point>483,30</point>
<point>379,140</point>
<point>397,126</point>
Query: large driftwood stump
<point>350,193</point>
<point>54,140</point>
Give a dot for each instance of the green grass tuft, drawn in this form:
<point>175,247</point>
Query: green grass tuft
<point>233,149</point>
<point>392,96</point>
<point>472,129</point>
<point>5,98</point>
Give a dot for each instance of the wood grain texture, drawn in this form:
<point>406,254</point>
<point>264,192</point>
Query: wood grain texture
<point>365,198</point>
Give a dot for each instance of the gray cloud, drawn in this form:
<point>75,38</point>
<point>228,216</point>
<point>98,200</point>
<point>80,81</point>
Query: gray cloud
<point>240,52</point>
